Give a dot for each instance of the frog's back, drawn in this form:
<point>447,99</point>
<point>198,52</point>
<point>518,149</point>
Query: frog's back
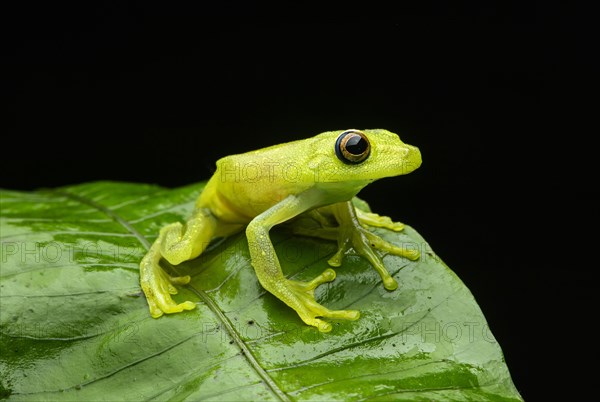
<point>245,185</point>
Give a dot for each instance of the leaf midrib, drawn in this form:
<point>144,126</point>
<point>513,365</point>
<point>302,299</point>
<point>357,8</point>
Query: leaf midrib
<point>210,303</point>
<point>113,215</point>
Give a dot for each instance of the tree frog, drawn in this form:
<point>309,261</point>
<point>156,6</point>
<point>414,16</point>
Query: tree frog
<point>257,190</point>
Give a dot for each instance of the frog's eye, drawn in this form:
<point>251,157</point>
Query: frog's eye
<point>352,146</point>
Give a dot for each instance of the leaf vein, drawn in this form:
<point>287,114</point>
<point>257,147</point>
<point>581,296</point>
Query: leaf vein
<point>116,217</point>
<point>333,351</point>
<point>124,367</point>
<point>73,294</point>
<point>413,390</point>
<point>379,282</point>
<point>46,267</point>
<point>161,212</point>
<point>251,359</point>
<point>352,345</point>
<point>193,374</point>
<point>70,232</point>
<point>306,388</point>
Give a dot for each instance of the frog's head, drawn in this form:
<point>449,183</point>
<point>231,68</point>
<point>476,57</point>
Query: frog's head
<point>362,156</point>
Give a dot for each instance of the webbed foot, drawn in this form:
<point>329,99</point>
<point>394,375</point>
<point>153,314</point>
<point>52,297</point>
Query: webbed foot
<point>158,287</point>
<point>353,234</point>
<point>301,297</point>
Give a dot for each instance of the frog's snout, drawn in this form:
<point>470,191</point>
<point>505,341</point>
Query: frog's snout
<point>411,158</point>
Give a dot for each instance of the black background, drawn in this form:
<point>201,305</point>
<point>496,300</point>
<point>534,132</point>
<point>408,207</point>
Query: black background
<point>158,93</point>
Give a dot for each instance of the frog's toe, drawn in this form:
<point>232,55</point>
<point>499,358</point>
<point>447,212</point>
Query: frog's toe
<point>315,310</point>
<point>380,244</point>
<point>336,260</point>
<point>321,311</point>
<point>178,308</point>
<point>180,280</point>
<point>322,326</point>
<point>167,305</point>
<point>310,318</point>
<point>351,315</point>
<point>171,289</point>
<point>389,283</point>
<point>326,276</point>
<point>158,287</point>
<point>388,224</point>
<point>175,280</point>
<point>375,220</point>
<point>155,312</point>
<point>411,254</point>
<point>161,303</point>
<point>397,226</point>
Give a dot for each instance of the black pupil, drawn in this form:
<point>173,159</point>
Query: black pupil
<point>356,145</point>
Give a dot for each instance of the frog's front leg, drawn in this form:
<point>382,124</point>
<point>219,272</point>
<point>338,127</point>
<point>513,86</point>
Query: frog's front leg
<point>352,233</point>
<point>297,295</point>
<point>176,243</point>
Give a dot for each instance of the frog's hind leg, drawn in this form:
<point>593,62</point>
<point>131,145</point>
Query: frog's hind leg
<point>176,243</point>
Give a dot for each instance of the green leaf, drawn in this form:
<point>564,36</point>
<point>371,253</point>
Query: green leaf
<point>75,325</point>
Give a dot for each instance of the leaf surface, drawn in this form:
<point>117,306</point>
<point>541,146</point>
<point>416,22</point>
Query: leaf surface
<point>74,324</point>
